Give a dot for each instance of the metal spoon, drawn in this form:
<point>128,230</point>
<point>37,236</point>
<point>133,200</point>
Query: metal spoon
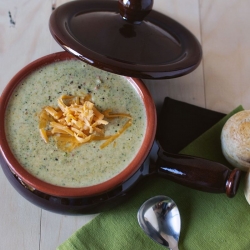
<point>159,217</point>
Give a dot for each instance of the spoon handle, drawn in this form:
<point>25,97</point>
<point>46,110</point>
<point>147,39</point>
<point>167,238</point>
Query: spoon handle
<point>175,248</point>
<point>198,173</point>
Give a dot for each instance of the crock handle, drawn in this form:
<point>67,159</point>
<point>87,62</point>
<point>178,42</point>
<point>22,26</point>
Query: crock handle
<point>198,173</point>
<point>134,11</point>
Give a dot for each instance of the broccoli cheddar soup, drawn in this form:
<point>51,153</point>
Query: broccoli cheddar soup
<point>49,88</point>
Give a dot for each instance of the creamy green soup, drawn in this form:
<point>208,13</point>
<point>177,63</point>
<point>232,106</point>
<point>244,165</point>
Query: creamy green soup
<point>88,164</point>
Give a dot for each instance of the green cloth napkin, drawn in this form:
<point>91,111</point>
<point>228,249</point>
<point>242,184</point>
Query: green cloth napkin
<point>209,221</point>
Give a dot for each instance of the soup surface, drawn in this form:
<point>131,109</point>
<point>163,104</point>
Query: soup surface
<point>87,164</point>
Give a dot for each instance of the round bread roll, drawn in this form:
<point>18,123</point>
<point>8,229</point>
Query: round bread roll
<point>235,142</point>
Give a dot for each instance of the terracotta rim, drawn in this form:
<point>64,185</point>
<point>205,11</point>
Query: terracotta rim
<point>58,191</point>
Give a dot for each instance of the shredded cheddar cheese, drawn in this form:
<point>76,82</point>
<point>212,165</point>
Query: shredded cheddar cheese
<point>77,121</point>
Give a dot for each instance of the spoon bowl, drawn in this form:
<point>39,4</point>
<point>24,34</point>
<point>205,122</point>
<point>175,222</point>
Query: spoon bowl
<point>159,218</point>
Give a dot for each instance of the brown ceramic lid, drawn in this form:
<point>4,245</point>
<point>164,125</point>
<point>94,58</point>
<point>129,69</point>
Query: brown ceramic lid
<point>126,38</point>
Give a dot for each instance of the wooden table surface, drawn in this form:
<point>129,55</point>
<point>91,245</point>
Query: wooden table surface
<point>220,83</point>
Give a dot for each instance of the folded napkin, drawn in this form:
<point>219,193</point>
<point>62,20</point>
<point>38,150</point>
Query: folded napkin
<point>208,221</point>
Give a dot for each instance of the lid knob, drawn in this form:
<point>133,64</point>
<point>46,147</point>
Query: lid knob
<point>134,11</point>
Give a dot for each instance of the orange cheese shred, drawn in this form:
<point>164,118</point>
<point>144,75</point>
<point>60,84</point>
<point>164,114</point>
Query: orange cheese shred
<point>116,135</point>
<point>44,135</point>
<point>76,121</point>
<point>108,114</point>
